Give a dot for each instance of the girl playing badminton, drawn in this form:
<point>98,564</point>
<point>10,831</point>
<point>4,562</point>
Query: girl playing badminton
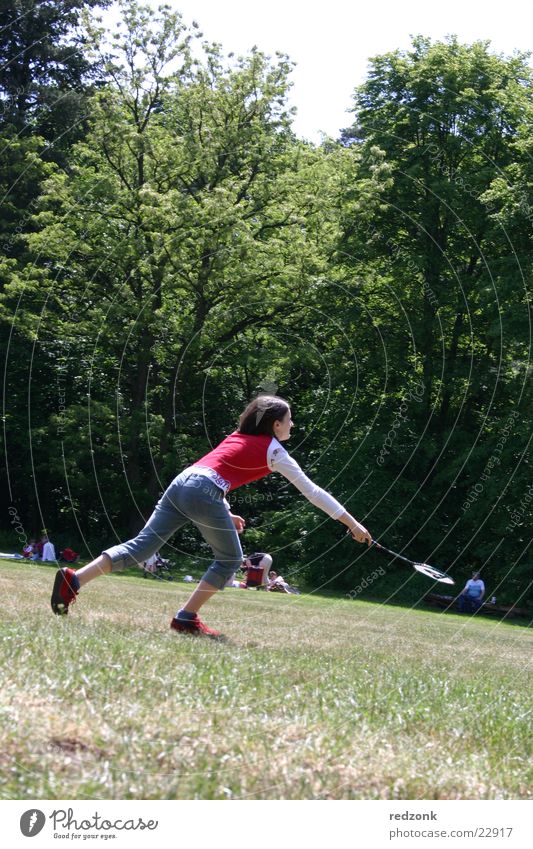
<point>197,495</point>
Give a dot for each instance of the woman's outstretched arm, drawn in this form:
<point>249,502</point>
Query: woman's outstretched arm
<point>357,530</point>
<point>282,462</point>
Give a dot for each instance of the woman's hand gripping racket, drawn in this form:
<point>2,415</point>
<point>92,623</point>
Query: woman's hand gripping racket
<point>423,568</point>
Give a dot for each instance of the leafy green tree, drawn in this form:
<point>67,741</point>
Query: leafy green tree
<point>442,127</point>
<point>187,223</point>
<point>43,68</point>
<point>44,78</point>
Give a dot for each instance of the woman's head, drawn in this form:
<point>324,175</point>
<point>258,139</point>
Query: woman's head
<point>266,414</point>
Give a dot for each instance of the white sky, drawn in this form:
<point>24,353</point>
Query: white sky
<point>331,40</point>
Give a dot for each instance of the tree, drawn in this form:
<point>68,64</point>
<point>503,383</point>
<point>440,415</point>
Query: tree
<point>44,72</point>
<point>186,224</point>
<point>441,128</point>
<point>44,79</point>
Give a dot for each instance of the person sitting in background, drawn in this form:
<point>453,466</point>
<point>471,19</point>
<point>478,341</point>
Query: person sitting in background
<point>49,552</point>
<point>30,551</point>
<point>233,583</point>
<point>276,583</point>
<point>256,567</point>
<point>471,598</point>
<point>150,565</point>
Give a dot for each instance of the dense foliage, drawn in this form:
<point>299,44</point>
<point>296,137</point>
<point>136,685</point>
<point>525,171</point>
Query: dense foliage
<point>170,248</point>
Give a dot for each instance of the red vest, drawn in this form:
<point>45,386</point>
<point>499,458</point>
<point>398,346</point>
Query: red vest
<point>240,458</point>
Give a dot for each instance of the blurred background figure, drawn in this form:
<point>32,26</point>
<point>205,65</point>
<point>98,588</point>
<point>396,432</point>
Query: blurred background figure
<point>49,552</point>
<point>471,598</point>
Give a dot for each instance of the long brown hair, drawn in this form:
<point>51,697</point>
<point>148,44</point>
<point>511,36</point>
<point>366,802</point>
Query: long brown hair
<point>261,413</point>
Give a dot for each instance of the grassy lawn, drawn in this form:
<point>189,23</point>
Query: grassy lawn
<point>310,698</point>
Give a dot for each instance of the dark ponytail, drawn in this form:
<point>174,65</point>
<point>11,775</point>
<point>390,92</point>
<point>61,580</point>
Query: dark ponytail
<point>261,413</point>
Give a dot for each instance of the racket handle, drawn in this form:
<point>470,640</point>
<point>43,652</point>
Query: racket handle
<point>373,543</point>
<point>388,553</point>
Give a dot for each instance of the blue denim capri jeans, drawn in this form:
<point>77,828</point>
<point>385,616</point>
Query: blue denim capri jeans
<point>189,498</point>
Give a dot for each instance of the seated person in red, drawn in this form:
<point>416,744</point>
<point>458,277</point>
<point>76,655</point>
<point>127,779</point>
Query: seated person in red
<point>69,555</point>
<point>29,549</point>
<point>256,567</point>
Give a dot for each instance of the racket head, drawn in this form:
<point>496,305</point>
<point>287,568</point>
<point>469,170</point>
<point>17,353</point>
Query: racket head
<point>435,574</point>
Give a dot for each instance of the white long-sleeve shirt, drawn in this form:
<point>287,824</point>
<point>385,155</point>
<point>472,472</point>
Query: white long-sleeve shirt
<point>279,460</point>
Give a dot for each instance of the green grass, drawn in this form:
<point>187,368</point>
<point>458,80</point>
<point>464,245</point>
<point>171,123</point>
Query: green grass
<point>310,698</point>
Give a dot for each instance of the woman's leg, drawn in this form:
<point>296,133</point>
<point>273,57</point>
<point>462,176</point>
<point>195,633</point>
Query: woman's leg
<point>162,524</point>
<point>166,519</point>
<point>101,566</point>
<point>201,594</point>
<point>203,502</point>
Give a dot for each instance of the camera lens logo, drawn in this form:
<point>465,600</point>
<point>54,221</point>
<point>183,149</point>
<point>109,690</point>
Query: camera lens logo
<point>32,822</point>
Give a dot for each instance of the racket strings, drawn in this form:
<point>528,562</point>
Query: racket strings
<point>431,572</point>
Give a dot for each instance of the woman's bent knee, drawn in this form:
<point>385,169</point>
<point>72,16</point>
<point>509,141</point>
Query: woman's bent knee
<point>115,555</point>
<point>219,572</point>
<point>128,554</point>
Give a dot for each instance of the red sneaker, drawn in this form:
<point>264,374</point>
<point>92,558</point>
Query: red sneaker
<point>66,588</point>
<point>195,626</point>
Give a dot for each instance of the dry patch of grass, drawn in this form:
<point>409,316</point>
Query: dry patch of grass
<point>310,698</point>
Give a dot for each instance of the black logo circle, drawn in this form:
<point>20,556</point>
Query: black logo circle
<point>32,822</point>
